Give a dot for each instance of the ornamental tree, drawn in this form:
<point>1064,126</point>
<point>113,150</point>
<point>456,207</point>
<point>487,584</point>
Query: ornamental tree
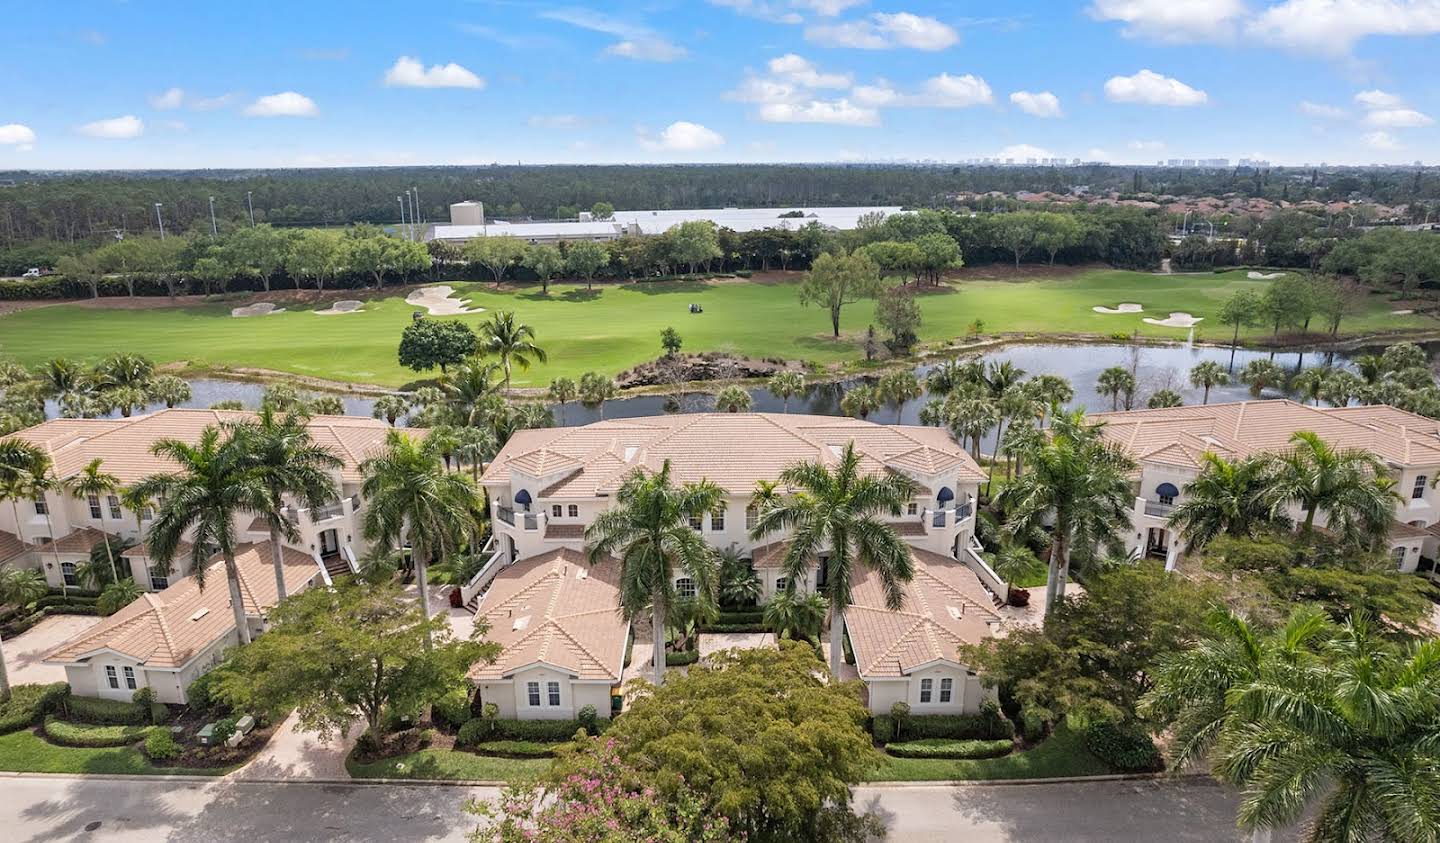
<point>428,343</point>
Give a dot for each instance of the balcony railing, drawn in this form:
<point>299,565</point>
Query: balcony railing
<point>325,513</point>
<point>1160,510</point>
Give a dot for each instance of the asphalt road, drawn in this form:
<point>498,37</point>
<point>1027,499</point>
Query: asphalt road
<point>34,809</point>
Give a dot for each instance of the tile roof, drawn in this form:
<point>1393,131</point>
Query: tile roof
<point>944,607</point>
<point>82,540</point>
<point>10,546</point>
<point>1401,530</point>
<point>732,450</point>
<point>564,531</point>
<point>1179,435</point>
<point>169,628</point>
<point>558,609</point>
<point>124,444</point>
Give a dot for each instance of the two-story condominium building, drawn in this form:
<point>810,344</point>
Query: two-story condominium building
<point>56,531</point>
<point>1169,445</point>
<point>546,486</point>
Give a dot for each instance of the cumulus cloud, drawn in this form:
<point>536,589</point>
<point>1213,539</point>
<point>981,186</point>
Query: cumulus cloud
<point>790,94</point>
<point>18,135</point>
<point>1383,141</point>
<point>1172,21</point>
<point>1043,104</point>
<point>1022,151</point>
<point>802,71</point>
<point>840,112</point>
<point>1334,26</point>
<point>1150,88</point>
<point>128,126</point>
<point>683,136</point>
<point>409,72</point>
<point>647,49</point>
<point>1398,118</point>
<point>1324,112</point>
<point>1375,99</point>
<point>284,104</point>
<point>882,31</point>
<point>943,91</point>
<point>170,100</point>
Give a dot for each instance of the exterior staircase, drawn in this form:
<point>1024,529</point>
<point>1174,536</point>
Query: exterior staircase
<point>336,566</point>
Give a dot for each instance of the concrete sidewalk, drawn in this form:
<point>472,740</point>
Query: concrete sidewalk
<point>295,754</point>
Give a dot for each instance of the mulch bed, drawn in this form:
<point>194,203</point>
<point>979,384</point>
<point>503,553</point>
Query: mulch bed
<point>404,743</point>
<point>193,755</point>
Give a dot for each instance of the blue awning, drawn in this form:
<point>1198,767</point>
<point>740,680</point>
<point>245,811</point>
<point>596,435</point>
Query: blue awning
<point>522,497</point>
<point>1167,490</point>
<point>945,495</point>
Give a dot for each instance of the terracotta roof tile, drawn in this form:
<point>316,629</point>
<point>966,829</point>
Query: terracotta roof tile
<point>10,546</point>
<point>82,540</point>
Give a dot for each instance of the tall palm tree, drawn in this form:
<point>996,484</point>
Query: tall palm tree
<point>1226,498</point>
<point>1341,387</point>
<point>20,588</point>
<point>595,389</point>
<point>732,399</point>
<point>61,376</point>
<point>36,486</point>
<point>123,370</point>
<point>1016,403</point>
<point>1206,375</point>
<point>19,461</point>
<point>841,509</point>
<point>92,480</point>
<point>897,388</point>
<point>1115,382</point>
<point>1259,374</point>
<point>409,495</point>
<point>169,390</point>
<point>562,391</point>
<point>512,341</point>
<point>797,614</point>
<point>475,445</point>
<point>1049,391</point>
<point>860,402</point>
<point>786,385</point>
<point>212,486</point>
<point>1001,375</point>
<point>280,452</point>
<point>1350,485</point>
<point>1310,384</point>
<point>390,407</point>
<point>970,418</point>
<point>649,531</point>
<point>472,392</point>
<point>1078,482</point>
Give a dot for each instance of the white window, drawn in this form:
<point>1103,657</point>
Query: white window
<point>574,510</point>
<point>781,584</point>
<point>1167,500</point>
<point>111,678</point>
<point>751,514</point>
<point>130,678</point>
<point>927,689</point>
<point>556,510</point>
<point>1419,491</point>
<point>159,579</point>
<point>95,511</point>
<point>912,508</point>
<point>147,514</point>
<point>685,588</point>
<point>697,523</point>
<point>114,504</point>
<point>552,690</point>
<point>41,508</point>
<point>1399,555</point>
<point>532,690</point>
<point>717,520</point>
<point>67,572</point>
<point>946,686</point>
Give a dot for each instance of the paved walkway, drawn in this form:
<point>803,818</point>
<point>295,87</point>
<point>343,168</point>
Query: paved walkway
<point>295,754</point>
<point>24,652</point>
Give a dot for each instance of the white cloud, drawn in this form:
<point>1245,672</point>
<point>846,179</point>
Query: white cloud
<point>840,112</point>
<point>827,8</point>
<point>1146,145</point>
<point>781,11</point>
<point>408,72</point>
<point>1150,88</point>
<point>212,103</point>
<point>169,100</point>
<point>18,135</point>
<point>1172,21</point>
<point>1096,154</point>
<point>1022,151</point>
<point>647,49</point>
<point>128,126</point>
<point>636,41</point>
<point>1398,118</point>
<point>1322,111</point>
<point>1043,104</point>
<point>802,71</point>
<point>284,104</point>
<point>557,121</point>
<point>883,31</point>
<point>683,136</point>
<point>1376,99</point>
<point>1333,26</point>
<point>943,91</point>
<point>1383,141</point>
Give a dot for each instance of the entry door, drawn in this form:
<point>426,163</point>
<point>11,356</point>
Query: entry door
<point>329,542</point>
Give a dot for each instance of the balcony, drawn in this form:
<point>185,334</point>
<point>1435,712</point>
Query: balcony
<point>1155,509</point>
<point>325,513</point>
<point>528,521</point>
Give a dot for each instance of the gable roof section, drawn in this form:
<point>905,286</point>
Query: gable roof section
<point>169,628</point>
<point>10,546</point>
<point>82,540</point>
<point>559,610</point>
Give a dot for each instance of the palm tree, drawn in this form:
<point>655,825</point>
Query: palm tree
<point>1049,391</point>
<point>1114,382</point>
<point>595,389</point>
<point>19,461</point>
<point>1162,398</point>
<point>20,588</point>
<point>1341,387</point>
<point>1078,482</point>
<point>36,486</point>
<point>169,390</point>
<point>1206,375</point>
<point>1001,376</point>
<point>390,407</point>
<point>649,531</point>
<point>738,584</point>
<point>1021,438</point>
<point>1226,499</point>
<point>471,392</point>
<point>1310,384</point>
<point>1371,367</point>
<point>474,445</point>
<point>970,419</point>
<point>562,391</point>
<point>287,461</point>
<point>61,376</point>
<point>513,342</point>
<point>117,595</point>
<point>1016,403</point>
<point>860,402</point>
<point>841,508</point>
<point>92,481</point>
<point>1350,485</point>
<point>123,370</point>
<point>126,399</point>
<point>897,388</point>
<point>409,494</point>
<point>798,615</point>
<point>212,486</point>
<point>1259,374</point>
<point>786,385</point>
<point>732,399</point>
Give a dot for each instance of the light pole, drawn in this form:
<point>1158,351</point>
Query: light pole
<point>251,205</point>
<point>402,216</point>
<point>160,220</point>
<point>414,215</point>
<point>214,230</point>
<point>422,216</point>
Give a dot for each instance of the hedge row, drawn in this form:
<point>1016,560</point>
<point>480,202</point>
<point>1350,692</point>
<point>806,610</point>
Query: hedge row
<point>943,748</point>
<point>990,726</point>
<point>516,749</point>
<point>66,600</point>
<point>93,737</point>
<point>682,659</point>
<point>28,705</point>
<point>1125,746</point>
<point>482,730</point>
<point>107,712</point>
<point>735,627</point>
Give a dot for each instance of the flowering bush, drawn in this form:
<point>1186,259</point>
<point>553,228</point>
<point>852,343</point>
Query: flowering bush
<point>592,795</point>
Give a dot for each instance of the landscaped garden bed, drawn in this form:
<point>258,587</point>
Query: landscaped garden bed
<point>948,748</point>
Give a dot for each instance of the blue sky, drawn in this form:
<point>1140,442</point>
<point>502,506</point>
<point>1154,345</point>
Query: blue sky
<point>155,83</point>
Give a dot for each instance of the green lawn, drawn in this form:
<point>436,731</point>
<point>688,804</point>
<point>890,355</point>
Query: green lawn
<point>24,752</point>
<point>448,764</point>
<point>616,327</point>
<point>1063,754</point>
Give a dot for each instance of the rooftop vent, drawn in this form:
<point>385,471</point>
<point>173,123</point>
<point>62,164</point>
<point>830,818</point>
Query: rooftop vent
<point>520,623</point>
<point>200,614</point>
<point>581,573</point>
<point>956,613</point>
<point>631,451</point>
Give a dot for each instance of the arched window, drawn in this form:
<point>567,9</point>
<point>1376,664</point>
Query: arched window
<point>1167,493</point>
<point>685,588</point>
<point>523,498</point>
<point>945,496</point>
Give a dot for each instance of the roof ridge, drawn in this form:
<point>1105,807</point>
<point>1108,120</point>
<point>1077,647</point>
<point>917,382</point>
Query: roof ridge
<point>575,640</point>
<point>899,640</point>
<point>160,619</point>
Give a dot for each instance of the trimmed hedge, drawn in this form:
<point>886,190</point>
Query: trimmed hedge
<point>107,712</point>
<point>454,708</point>
<point>28,705</point>
<point>516,749</point>
<point>987,726</point>
<point>942,748</point>
<point>64,600</point>
<point>160,745</point>
<point>481,730</point>
<point>682,659</point>
<point>85,735</point>
<point>1125,746</point>
<point>735,627</point>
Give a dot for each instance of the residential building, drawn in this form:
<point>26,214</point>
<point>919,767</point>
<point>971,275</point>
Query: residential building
<point>1169,445</point>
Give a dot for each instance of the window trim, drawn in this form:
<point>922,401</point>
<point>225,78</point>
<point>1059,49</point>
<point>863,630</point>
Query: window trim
<point>782,584</point>
<point>116,511</point>
<point>689,585</point>
<point>752,515</point>
<point>927,690</point>
<point>96,513</point>
<point>574,511</point>
<point>555,510</point>
<point>947,689</point>
<point>552,693</point>
<point>42,506</point>
<point>532,694</point>
<point>112,677</point>
<point>912,508</point>
<point>717,521</point>
<point>71,576</point>
<point>1417,492</point>
<point>697,522</point>
<point>130,683</point>
<point>1166,500</point>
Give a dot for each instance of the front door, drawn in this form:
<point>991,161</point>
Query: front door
<point>329,543</point>
<point>1157,543</point>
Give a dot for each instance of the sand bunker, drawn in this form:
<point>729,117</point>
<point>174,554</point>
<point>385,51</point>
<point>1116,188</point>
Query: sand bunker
<point>440,301</point>
<point>1177,319</point>
<point>1125,307</point>
<point>263,308</point>
<point>339,307</point>
<point>1401,312</point>
<point>1263,276</point>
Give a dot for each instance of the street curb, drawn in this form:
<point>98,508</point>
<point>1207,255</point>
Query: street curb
<point>1189,778</point>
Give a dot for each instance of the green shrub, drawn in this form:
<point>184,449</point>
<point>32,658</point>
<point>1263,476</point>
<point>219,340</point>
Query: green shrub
<point>160,745</point>
<point>28,705</point>
<point>682,659</point>
<point>587,717</point>
<point>944,748</point>
<point>521,749</point>
<point>1124,745</point>
<point>735,627</point>
<point>882,728</point>
<point>223,731</point>
<point>453,708</point>
<point>984,726</point>
<point>106,712</point>
<point>475,731</point>
<point>899,713</point>
<point>742,617</point>
<point>201,693</point>
<point>85,735</point>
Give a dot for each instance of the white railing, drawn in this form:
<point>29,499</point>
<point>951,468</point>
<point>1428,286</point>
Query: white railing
<point>325,513</point>
<point>324,572</point>
<point>483,576</point>
<point>987,575</point>
<point>1155,509</point>
<point>350,559</point>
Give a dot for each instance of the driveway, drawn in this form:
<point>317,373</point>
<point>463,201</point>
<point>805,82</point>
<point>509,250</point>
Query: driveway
<point>24,652</point>
<point>294,754</point>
